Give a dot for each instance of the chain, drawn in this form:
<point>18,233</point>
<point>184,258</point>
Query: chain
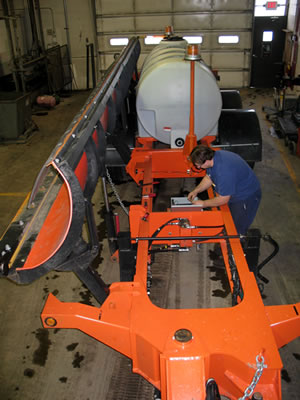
<point>116,193</point>
<point>259,370</point>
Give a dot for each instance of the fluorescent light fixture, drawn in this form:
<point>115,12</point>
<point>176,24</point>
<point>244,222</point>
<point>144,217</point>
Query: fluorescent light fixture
<point>153,39</point>
<point>193,39</point>
<point>228,39</point>
<point>119,41</point>
<point>267,36</point>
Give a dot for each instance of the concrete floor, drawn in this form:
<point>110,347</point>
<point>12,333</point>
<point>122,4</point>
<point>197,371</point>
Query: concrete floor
<point>38,364</point>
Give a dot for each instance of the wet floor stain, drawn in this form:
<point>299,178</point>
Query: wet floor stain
<point>55,292</point>
<point>77,360</point>
<point>63,379</point>
<point>285,376</point>
<point>98,259</point>
<point>41,353</point>
<point>101,234</point>
<point>55,276</point>
<point>72,346</point>
<point>218,268</point>
<point>86,297</point>
<point>214,255</point>
<point>29,372</point>
<point>221,276</point>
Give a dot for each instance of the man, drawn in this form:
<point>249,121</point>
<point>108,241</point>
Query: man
<point>234,182</point>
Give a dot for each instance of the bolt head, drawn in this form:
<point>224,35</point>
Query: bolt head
<point>183,335</point>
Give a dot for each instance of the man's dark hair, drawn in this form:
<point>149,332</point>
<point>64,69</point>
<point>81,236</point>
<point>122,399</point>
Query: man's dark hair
<point>201,153</point>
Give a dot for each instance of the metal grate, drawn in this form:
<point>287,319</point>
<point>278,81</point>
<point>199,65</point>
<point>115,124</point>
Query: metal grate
<point>59,70</point>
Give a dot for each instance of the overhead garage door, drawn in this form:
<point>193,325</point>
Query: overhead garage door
<point>223,26</point>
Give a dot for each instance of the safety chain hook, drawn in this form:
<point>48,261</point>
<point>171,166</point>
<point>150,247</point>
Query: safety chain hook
<point>259,370</point>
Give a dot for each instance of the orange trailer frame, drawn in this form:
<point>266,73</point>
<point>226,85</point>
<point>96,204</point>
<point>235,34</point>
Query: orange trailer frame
<point>187,346</point>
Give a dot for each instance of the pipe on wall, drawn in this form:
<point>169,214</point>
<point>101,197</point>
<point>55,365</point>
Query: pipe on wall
<point>67,30</point>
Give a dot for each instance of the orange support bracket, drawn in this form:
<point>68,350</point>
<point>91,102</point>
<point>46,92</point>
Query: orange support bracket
<point>190,345</point>
<point>285,322</point>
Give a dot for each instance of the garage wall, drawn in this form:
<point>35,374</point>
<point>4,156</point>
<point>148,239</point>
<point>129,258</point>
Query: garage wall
<point>80,25</point>
<point>5,54</point>
<point>206,18</point>
<point>98,21</point>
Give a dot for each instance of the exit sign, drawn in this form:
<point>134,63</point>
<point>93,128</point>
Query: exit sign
<point>271,5</point>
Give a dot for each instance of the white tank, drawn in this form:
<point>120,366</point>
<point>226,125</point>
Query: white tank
<point>163,96</point>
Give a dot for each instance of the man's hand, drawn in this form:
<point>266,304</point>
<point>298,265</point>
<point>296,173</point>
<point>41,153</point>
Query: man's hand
<point>192,195</point>
<point>199,203</point>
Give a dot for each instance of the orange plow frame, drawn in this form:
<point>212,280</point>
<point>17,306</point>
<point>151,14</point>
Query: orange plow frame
<point>179,350</point>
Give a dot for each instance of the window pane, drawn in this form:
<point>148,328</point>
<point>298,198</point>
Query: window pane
<point>267,36</point>
<point>153,39</point>
<point>119,41</point>
<point>228,39</point>
<point>193,39</point>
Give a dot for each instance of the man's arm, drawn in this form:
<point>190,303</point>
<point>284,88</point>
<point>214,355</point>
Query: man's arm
<point>203,185</point>
<point>214,202</point>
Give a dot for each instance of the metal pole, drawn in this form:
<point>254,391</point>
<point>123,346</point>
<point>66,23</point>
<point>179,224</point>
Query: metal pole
<point>170,238</point>
<point>192,100</point>
<point>87,65</point>
<point>105,196</point>
<point>93,65</point>
<point>38,8</point>
<point>67,29</point>
<point>10,41</point>
<point>191,139</point>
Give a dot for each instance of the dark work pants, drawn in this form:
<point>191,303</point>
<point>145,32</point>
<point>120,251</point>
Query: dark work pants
<point>243,212</point>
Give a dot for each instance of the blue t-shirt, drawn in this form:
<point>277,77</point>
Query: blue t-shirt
<point>232,176</point>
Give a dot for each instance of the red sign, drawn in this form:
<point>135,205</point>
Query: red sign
<point>271,5</point>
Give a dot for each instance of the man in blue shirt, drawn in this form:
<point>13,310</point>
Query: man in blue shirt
<point>234,182</point>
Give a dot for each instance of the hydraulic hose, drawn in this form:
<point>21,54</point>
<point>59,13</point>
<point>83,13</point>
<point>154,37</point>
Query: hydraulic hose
<point>269,239</point>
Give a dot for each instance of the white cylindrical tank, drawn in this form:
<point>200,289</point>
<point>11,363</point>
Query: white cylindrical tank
<point>163,96</point>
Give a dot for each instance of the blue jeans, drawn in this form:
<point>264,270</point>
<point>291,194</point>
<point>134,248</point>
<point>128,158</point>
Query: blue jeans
<point>243,212</point>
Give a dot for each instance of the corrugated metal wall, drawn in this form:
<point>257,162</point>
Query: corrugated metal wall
<point>206,18</point>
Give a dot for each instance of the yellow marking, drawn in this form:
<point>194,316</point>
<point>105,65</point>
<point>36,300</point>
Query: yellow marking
<point>289,168</point>
<point>14,194</point>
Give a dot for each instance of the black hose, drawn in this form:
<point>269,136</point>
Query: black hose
<point>269,239</point>
<point>160,228</point>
